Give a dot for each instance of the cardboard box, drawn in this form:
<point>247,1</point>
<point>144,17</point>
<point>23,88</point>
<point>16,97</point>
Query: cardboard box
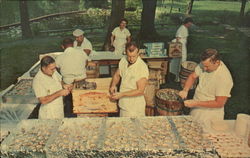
<point>175,49</point>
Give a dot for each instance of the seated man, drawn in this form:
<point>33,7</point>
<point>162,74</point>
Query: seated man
<point>133,73</point>
<point>82,42</point>
<point>72,63</point>
<point>48,89</point>
<point>213,90</point>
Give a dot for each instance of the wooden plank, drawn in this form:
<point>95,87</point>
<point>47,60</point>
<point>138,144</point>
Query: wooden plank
<point>93,101</point>
<point>43,17</point>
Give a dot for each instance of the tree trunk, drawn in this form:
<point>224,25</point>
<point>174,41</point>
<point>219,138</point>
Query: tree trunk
<point>172,3</point>
<point>147,20</point>
<point>117,13</point>
<point>190,7</point>
<point>243,6</point>
<point>24,14</point>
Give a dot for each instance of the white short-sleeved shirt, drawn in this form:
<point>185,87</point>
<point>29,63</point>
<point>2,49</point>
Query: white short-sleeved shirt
<point>135,106</point>
<point>216,83</point>
<point>72,64</point>
<point>182,32</point>
<point>86,44</point>
<point>120,39</point>
<point>45,85</point>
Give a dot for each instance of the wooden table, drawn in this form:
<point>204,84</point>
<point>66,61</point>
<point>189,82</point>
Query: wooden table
<point>106,58</point>
<point>94,105</point>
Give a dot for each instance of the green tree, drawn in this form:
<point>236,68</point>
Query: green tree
<point>190,7</point>
<point>148,30</point>
<point>25,24</point>
<point>243,6</point>
<point>117,13</point>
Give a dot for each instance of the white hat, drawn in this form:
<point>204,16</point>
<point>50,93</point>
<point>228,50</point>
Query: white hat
<point>78,32</point>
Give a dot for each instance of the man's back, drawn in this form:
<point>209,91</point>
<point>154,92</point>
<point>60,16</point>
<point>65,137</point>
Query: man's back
<point>72,64</point>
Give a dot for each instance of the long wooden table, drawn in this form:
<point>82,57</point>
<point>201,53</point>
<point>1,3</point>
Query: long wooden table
<point>106,58</point>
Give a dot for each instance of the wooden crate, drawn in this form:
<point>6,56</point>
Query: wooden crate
<point>174,49</point>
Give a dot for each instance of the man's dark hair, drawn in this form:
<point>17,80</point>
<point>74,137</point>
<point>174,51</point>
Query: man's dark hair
<point>46,61</point>
<point>67,42</point>
<point>131,46</point>
<point>123,19</point>
<point>187,20</point>
<point>213,54</point>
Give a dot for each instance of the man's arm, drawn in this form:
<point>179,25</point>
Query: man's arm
<point>128,39</point>
<point>219,102</point>
<point>112,40</point>
<point>49,98</point>
<point>115,80</point>
<point>141,84</point>
<point>189,82</point>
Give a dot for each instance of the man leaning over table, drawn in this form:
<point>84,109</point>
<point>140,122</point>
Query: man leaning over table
<point>133,73</point>
<point>49,90</point>
<point>213,90</point>
<point>72,66</point>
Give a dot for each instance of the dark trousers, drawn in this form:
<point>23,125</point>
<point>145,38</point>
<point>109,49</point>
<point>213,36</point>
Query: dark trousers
<point>35,112</point>
<point>68,106</point>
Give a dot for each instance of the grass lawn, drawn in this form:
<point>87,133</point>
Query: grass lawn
<point>19,55</point>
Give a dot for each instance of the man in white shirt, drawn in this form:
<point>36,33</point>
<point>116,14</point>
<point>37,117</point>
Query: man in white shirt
<point>82,42</point>
<point>181,36</point>
<point>213,90</point>
<point>49,90</point>
<point>72,63</point>
<point>72,66</point>
<point>133,73</point>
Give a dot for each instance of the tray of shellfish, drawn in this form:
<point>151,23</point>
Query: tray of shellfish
<point>76,137</point>
<point>229,145</point>
<point>120,134</point>
<point>190,133</point>
<point>21,93</point>
<point>34,70</point>
<point>156,134</point>
<point>29,138</point>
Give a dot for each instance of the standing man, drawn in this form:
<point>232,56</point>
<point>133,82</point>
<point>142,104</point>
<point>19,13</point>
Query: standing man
<point>48,89</point>
<point>213,90</point>
<point>72,63</point>
<point>82,42</point>
<point>133,73</point>
<point>181,36</point>
<point>72,66</point>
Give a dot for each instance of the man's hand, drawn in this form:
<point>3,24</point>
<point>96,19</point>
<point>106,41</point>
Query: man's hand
<point>64,92</point>
<point>183,94</point>
<point>190,103</point>
<point>112,90</point>
<point>68,87</point>
<point>116,96</point>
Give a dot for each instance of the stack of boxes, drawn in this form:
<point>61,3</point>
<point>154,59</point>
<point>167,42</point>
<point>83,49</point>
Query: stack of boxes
<point>155,49</point>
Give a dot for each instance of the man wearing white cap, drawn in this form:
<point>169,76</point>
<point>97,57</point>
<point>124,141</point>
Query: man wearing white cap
<point>82,42</point>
